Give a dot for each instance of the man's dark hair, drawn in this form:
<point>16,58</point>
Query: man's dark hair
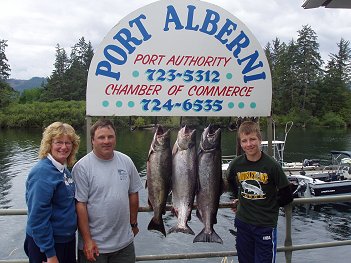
<point>101,123</point>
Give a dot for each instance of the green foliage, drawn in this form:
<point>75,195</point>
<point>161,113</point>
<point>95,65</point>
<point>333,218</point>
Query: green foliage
<point>69,78</point>
<point>41,114</point>
<point>7,94</point>
<point>139,122</point>
<point>4,66</point>
<point>302,91</point>
<point>331,119</point>
<point>30,95</point>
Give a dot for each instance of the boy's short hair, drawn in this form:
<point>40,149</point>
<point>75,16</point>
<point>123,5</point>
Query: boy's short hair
<point>248,127</point>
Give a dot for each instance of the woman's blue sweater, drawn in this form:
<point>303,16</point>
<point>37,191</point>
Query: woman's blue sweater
<point>51,206</point>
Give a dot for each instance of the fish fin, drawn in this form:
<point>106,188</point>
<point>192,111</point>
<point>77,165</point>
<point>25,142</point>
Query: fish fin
<point>177,229</point>
<point>174,212</point>
<point>174,150</point>
<point>148,201</point>
<point>198,214</point>
<point>153,225</point>
<point>212,237</point>
<point>221,184</point>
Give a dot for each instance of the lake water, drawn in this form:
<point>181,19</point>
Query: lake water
<point>311,224</point>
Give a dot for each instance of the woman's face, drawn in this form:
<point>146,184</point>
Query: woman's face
<point>61,148</point>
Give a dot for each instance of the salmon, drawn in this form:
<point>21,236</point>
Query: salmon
<point>184,179</point>
<point>210,183</point>
<point>159,173</point>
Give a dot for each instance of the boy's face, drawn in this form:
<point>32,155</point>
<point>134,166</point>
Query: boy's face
<point>250,143</point>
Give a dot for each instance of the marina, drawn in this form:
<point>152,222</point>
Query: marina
<point>18,152</point>
<point>287,249</point>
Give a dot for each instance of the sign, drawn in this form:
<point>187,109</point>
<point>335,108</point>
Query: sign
<point>179,58</point>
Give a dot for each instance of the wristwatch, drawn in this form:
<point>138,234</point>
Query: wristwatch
<point>134,225</point>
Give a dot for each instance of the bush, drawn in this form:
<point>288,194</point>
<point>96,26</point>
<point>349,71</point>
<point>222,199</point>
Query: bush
<point>331,119</point>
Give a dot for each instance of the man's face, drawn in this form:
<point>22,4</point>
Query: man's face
<point>250,143</point>
<point>104,142</point>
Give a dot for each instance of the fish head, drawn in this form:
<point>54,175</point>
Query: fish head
<point>211,138</point>
<point>162,138</point>
<point>186,138</point>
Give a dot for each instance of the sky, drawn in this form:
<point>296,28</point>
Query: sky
<point>34,28</point>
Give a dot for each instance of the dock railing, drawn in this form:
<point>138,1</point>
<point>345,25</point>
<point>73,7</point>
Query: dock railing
<point>288,247</point>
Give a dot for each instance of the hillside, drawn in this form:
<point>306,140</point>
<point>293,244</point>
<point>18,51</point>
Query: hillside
<point>20,84</point>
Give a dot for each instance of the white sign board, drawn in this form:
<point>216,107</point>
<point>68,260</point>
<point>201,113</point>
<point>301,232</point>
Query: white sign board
<point>179,58</point>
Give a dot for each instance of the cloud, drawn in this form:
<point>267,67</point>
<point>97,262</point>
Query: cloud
<point>34,28</point>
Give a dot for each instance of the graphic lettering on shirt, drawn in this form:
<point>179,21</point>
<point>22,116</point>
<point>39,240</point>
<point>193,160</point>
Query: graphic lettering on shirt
<point>68,180</point>
<point>251,184</point>
<point>122,174</point>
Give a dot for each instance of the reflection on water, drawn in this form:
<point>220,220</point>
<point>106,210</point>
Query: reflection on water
<point>311,224</point>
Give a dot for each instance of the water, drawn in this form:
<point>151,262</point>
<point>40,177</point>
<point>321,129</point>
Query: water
<point>311,224</point>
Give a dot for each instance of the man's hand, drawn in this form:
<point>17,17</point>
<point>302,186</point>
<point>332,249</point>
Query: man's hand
<point>135,230</point>
<point>90,249</point>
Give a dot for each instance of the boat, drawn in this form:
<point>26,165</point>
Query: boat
<point>333,179</point>
<point>338,169</point>
<point>305,186</point>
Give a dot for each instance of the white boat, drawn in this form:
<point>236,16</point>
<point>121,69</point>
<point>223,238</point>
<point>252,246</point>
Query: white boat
<point>305,186</point>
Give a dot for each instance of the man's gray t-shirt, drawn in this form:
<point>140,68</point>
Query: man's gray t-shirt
<point>105,185</point>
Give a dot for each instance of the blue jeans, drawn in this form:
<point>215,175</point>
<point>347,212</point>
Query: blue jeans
<point>255,244</point>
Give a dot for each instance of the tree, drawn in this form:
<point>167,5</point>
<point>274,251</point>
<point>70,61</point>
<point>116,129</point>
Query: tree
<point>56,85</point>
<point>81,56</point>
<point>309,67</point>
<point>342,61</point>
<point>69,78</point>
<point>336,83</point>
<point>4,67</point>
<point>7,94</point>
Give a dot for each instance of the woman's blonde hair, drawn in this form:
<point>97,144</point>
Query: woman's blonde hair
<point>55,130</point>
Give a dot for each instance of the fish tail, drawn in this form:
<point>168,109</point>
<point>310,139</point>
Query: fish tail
<point>212,237</point>
<point>177,229</point>
<point>158,226</point>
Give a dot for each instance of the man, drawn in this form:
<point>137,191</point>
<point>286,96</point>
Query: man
<point>262,187</point>
<point>107,200</point>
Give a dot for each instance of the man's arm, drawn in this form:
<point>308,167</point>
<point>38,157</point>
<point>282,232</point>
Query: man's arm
<point>133,207</point>
<point>90,248</point>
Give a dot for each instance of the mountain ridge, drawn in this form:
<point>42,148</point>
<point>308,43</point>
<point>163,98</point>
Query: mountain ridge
<point>21,84</point>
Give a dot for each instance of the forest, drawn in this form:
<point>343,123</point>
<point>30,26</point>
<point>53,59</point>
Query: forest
<point>306,89</point>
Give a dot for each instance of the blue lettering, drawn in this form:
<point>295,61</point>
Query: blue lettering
<point>137,22</point>
<point>104,68</point>
<point>250,67</point>
<point>125,37</point>
<point>189,24</point>
<point>241,41</point>
<point>172,17</point>
<point>116,54</point>
<point>226,29</point>
<point>211,19</point>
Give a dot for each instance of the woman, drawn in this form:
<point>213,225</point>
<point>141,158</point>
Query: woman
<point>52,220</point>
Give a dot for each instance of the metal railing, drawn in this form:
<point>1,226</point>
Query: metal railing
<point>288,247</point>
